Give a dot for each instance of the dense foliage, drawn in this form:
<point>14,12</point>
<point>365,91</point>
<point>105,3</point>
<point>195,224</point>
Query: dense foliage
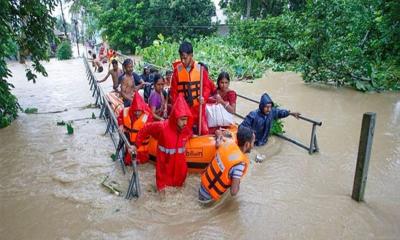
<point>26,27</point>
<point>259,8</point>
<point>127,24</point>
<point>219,54</point>
<point>64,50</point>
<point>352,43</point>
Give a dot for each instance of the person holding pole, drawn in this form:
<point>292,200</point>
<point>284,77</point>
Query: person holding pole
<point>190,79</point>
<point>260,120</point>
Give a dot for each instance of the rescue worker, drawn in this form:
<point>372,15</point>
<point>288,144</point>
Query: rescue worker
<point>130,121</point>
<point>227,168</point>
<point>260,120</point>
<point>186,81</point>
<point>172,135</point>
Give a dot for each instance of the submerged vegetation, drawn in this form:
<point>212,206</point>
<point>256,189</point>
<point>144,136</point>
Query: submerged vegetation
<point>217,53</point>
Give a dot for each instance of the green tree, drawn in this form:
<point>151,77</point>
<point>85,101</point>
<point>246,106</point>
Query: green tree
<point>179,19</point>
<point>122,24</point>
<point>64,50</point>
<point>237,9</point>
<point>127,24</point>
<point>29,25</point>
<point>351,43</point>
<point>59,25</point>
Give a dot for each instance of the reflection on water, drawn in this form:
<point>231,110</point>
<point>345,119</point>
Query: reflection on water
<point>50,181</point>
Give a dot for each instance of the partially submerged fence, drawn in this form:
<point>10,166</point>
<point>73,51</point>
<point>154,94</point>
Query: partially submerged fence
<point>120,141</point>
<point>312,147</point>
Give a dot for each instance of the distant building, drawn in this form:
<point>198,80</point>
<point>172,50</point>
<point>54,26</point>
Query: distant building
<point>60,35</point>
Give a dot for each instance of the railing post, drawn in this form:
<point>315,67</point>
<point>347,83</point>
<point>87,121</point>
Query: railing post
<point>364,154</point>
<point>134,184</point>
<point>316,143</point>
<point>313,141</point>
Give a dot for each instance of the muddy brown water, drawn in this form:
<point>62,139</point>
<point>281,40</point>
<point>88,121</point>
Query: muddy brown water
<point>50,181</point>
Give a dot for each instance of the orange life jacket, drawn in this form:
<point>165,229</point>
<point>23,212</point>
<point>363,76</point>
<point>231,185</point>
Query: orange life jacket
<point>189,83</point>
<point>134,128</point>
<point>110,53</point>
<point>216,177</point>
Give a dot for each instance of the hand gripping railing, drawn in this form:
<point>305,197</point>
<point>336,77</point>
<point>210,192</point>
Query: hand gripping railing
<point>313,147</point>
<point>108,115</point>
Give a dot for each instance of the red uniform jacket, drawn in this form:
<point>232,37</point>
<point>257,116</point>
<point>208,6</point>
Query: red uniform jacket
<point>137,104</point>
<point>171,168</point>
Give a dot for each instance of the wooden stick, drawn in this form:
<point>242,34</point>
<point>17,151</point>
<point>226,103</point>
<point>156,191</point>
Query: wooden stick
<point>201,96</point>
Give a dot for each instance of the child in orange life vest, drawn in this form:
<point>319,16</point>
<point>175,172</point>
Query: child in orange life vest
<point>131,120</point>
<point>227,168</point>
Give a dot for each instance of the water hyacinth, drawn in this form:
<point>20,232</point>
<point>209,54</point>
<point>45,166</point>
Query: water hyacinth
<point>219,54</point>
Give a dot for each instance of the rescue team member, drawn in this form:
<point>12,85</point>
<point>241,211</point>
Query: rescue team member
<point>115,72</point>
<point>186,81</point>
<point>172,135</point>
<point>227,168</point>
<point>260,120</point>
<point>130,121</point>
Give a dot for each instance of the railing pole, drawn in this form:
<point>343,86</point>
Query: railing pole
<point>108,115</point>
<point>364,154</point>
<point>312,149</point>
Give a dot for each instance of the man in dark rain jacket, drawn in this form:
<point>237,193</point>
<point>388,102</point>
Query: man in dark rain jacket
<point>260,120</point>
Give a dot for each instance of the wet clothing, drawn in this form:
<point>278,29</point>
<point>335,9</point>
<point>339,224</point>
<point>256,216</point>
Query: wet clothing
<point>127,102</point>
<point>260,123</point>
<point>171,167</point>
<point>187,83</point>
<point>147,88</point>
<point>230,97</point>
<point>229,163</point>
<point>235,172</point>
<point>157,100</point>
<point>133,125</point>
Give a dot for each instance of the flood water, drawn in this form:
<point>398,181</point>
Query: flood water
<point>50,181</point>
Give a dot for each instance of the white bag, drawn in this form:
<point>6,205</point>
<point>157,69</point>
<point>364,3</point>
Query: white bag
<point>217,116</point>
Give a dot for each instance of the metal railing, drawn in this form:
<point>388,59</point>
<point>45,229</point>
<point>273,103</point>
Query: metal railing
<point>313,146</point>
<point>121,142</point>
